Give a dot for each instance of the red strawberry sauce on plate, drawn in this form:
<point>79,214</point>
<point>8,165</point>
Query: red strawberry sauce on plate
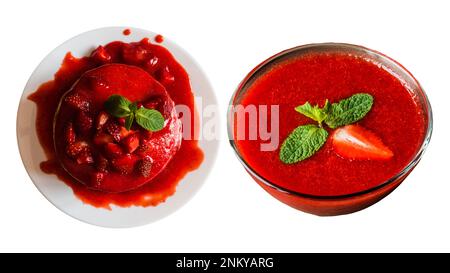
<point>147,65</point>
<point>395,118</point>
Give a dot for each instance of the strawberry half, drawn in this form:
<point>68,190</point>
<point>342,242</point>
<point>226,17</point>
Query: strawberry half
<point>355,142</point>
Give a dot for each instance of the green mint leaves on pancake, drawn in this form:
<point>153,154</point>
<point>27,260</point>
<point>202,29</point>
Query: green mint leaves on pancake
<point>306,140</point>
<point>302,143</point>
<point>314,112</point>
<point>129,121</point>
<point>149,119</point>
<point>120,107</point>
<point>349,110</point>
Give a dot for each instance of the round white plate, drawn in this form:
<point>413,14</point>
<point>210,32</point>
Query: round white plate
<point>61,195</point>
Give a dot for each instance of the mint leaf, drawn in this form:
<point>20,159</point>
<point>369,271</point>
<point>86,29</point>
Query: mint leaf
<point>118,106</point>
<point>129,121</point>
<point>133,107</point>
<point>302,143</point>
<point>349,110</point>
<point>149,119</point>
<point>314,112</point>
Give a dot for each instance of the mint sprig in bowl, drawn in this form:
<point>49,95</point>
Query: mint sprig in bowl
<point>323,121</point>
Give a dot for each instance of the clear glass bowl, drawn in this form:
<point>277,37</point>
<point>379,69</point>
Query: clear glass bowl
<point>340,204</point>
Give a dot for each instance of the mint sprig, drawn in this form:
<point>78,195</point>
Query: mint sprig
<point>315,112</point>
<point>350,110</point>
<point>304,141</point>
<point>120,107</point>
<point>150,119</point>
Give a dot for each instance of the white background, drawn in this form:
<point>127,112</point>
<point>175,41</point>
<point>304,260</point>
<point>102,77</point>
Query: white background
<point>228,38</point>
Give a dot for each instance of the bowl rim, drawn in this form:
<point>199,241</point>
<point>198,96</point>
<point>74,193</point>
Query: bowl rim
<point>405,171</point>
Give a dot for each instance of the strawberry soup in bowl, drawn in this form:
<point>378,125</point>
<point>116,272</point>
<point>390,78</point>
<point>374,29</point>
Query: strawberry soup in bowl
<point>329,128</point>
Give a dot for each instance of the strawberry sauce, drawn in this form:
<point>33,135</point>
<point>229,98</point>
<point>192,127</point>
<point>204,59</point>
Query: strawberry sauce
<point>395,118</point>
<point>159,63</point>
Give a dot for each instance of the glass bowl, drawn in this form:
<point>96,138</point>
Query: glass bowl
<point>339,204</point>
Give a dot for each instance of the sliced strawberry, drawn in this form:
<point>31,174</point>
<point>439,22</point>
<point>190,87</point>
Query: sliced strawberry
<point>78,102</point>
<point>152,65</point>
<point>144,166</point>
<point>123,164</point>
<point>102,118</point>
<point>130,143</point>
<point>69,133</point>
<point>124,132</point>
<point>76,148</point>
<point>100,54</point>
<point>113,129</point>
<point>83,122</point>
<point>85,157</point>
<point>355,142</point>
<point>113,150</point>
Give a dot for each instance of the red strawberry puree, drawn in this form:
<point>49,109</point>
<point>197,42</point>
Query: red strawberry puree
<point>116,166</point>
<point>395,118</point>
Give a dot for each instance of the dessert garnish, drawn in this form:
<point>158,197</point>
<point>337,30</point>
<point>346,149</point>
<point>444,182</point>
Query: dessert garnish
<point>120,107</point>
<point>349,141</point>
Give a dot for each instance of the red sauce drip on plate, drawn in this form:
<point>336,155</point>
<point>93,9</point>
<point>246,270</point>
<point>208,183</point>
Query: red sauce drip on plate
<point>126,32</point>
<point>160,64</point>
<point>159,38</point>
<point>395,117</point>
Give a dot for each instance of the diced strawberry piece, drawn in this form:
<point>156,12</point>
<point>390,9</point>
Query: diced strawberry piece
<point>113,129</point>
<point>152,65</point>
<point>76,148</point>
<point>133,54</point>
<point>102,138</point>
<point>131,143</point>
<point>165,76</point>
<point>100,54</point>
<point>144,166</point>
<point>78,102</point>
<point>101,164</point>
<point>355,142</point>
<point>102,118</point>
<point>124,132</point>
<point>85,157</point>
<point>97,178</point>
<point>123,164</point>
<point>113,150</point>
<point>69,133</point>
<point>83,122</point>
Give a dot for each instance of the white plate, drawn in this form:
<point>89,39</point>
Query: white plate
<point>61,195</point>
